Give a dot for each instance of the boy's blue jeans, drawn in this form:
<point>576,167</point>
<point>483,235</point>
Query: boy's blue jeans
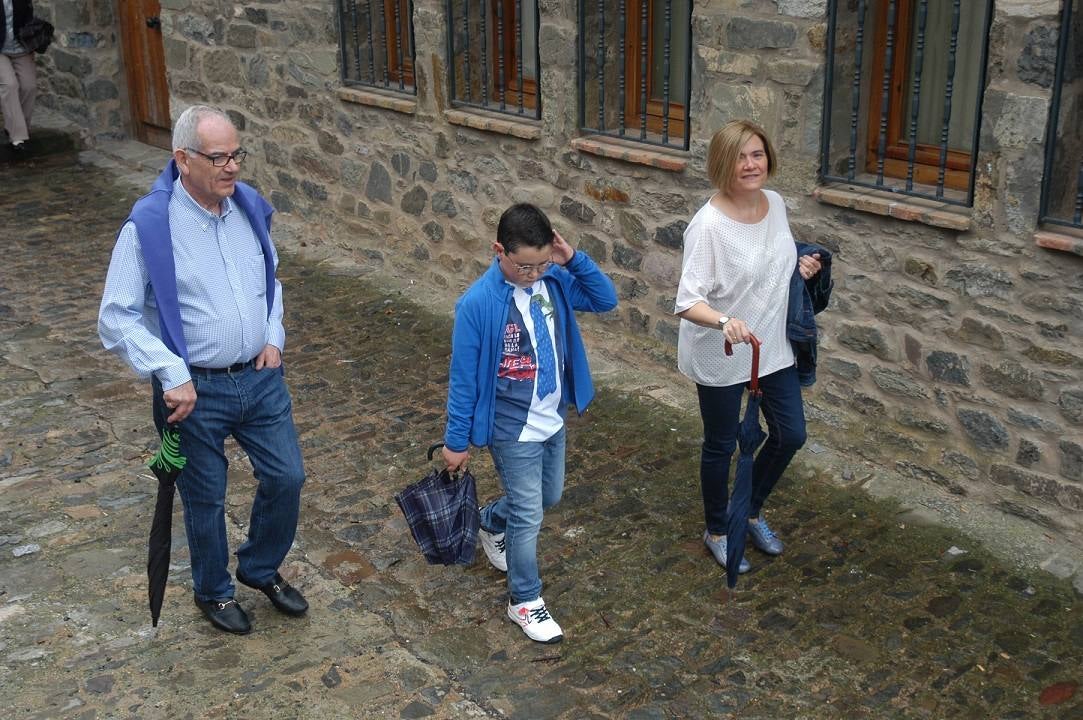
<point>720,408</point>
<point>254,407</point>
<point>532,474</point>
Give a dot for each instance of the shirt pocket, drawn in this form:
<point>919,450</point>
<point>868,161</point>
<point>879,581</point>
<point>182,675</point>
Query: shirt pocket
<point>255,275</point>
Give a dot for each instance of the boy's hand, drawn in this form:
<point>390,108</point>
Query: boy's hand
<point>455,460</point>
<point>562,251</point>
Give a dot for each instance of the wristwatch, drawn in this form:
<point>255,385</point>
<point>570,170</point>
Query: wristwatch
<point>722,322</point>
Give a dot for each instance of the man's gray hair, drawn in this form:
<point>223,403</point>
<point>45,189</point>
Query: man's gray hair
<point>185,133</point>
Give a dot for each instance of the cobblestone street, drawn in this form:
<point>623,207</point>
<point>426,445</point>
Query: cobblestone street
<point>866,615</point>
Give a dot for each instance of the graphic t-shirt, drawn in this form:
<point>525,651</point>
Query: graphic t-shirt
<point>520,414</point>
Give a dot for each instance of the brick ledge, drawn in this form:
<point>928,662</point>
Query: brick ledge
<point>909,209</point>
<point>406,104</point>
<point>630,152</point>
<point>481,120</point>
<point>1059,241</point>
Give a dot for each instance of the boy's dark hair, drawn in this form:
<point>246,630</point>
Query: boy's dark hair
<point>523,224</point>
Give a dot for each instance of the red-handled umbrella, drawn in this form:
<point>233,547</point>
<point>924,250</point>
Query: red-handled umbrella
<point>749,437</point>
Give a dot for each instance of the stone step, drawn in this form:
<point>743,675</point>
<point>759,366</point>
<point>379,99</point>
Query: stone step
<point>44,142</point>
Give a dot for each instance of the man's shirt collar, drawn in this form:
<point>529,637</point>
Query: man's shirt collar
<point>226,205</point>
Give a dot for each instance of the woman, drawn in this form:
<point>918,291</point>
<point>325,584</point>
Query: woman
<point>18,74</point>
<point>739,258</point>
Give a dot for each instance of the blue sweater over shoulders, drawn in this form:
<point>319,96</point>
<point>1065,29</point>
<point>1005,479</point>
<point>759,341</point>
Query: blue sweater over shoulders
<point>150,214</point>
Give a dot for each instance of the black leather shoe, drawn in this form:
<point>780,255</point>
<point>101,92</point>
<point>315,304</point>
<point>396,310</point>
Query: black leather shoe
<point>225,614</point>
<point>282,595</point>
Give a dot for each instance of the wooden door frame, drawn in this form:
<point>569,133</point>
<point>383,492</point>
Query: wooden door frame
<point>131,22</point>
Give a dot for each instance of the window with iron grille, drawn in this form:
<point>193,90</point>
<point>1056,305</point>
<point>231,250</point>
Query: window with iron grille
<point>635,59</point>
<point>493,46</point>
<point>902,104</point>
<point>1062,184</point>
<point>377,40</point>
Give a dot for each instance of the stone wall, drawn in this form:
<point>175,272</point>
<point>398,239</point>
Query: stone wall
<point>953,356</point>
<point>81,74</point>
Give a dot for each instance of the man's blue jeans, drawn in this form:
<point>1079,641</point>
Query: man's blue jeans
<point>720,408</point>
<point>532,474</point>
<point>254,407</point>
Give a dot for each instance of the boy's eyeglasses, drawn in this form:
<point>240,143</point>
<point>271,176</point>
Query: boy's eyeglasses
<point>528,269</point>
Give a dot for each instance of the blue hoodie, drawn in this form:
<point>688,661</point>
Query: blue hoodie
<point>476,344</point>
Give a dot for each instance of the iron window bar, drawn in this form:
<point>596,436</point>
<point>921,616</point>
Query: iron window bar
<point>605,86</point>
<point>1067,46</point>
<point>479,65</point>
<point>367,55</point>
<point>838,61</point>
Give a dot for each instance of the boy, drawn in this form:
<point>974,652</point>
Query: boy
<point>517,361</point>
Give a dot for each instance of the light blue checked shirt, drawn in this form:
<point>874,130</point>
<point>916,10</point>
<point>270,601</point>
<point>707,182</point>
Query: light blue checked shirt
<point>221,290</point>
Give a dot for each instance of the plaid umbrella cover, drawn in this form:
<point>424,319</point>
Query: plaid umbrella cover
<point>442,512</point>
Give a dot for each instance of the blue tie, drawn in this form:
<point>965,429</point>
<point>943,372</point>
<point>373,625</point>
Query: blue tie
<point>543,347</point>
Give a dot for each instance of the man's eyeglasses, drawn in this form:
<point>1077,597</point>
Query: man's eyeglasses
<point>528,269</point>
<point>221,160</point>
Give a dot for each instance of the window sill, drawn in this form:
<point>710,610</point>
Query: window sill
<point>376,98</point>
<point>900,207</point>
<point>495,123</point>
<point>1066,240</point>
<point>631,152</point>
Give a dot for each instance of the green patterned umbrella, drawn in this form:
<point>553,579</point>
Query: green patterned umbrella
<point>166,465</point>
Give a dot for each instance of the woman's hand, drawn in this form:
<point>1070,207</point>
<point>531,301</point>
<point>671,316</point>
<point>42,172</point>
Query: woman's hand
<point>562,251</point>
<point>736,331</point>
<point>808,265</point>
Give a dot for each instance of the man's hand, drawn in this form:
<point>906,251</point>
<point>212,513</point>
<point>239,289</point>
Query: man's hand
<point>181,400</point>
<point>562,251</point>
<point>269,357</point>
<point>455,460</point>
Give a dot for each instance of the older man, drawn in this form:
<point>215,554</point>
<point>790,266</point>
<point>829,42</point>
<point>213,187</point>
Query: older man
<point>192,302</point>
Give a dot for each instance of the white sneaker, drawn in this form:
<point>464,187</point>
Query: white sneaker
<point>493,545</point>
<point>536,622</point>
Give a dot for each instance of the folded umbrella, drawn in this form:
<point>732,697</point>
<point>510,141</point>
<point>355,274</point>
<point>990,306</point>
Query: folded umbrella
<point>442,512</point>
<point>166,465</point>
<point>749,437</point>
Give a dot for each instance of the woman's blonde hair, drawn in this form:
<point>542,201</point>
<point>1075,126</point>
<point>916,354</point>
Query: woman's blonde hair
<point>726,149</point>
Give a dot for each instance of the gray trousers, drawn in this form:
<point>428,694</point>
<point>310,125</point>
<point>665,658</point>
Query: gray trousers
<point>18,90</point>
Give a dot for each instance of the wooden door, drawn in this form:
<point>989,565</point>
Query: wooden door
<point>144,61</point>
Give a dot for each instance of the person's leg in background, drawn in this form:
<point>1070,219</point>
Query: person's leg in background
<point>26,70</point>
<point>18,92</point>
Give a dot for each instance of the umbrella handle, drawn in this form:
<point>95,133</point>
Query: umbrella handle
<point>754,382</point>
<point>451,475</point>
